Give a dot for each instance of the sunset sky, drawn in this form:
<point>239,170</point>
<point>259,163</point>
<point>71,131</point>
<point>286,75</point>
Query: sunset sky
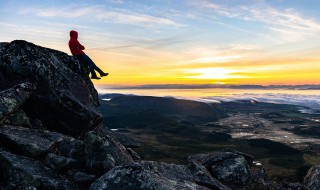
<point>179,41</point>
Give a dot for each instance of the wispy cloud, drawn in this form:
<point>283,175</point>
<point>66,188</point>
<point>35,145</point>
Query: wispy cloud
<point>100,13</point>
<point>288,23</point>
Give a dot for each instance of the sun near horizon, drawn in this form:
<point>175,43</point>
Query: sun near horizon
<point>179,42</point>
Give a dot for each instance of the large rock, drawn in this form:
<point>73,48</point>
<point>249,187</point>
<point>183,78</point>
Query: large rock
<point>104,153</point>
<point>65,98</point>
<point>12,98</point>
<point>148,175</point>
<point>21,172</point>
<point>229,167</point>
<point>18,118</point>
<point>312,179</point>
<point>204,178</point>
<point>60,162</point>
<point>28,141</point>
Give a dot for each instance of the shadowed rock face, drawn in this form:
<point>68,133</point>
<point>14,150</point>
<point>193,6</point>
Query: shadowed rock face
<point>64,99</point>
<point>229,167</point>
<point>24,172</point>
<point>312,180</point>
<point>148,175</point>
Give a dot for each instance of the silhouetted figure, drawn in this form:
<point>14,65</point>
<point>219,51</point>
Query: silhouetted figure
<point>76,50</point>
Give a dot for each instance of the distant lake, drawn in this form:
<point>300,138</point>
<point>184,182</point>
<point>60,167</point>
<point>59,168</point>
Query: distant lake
<point>308,98</point>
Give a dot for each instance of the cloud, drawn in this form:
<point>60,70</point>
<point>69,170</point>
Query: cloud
<point>288,23</point>
<point>100,13</point>
<point>310,101</point>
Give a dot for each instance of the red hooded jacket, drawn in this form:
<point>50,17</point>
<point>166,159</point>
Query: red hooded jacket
<point>74,45</point>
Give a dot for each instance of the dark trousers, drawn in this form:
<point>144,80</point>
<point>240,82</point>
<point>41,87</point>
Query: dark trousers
<point>85,60</point>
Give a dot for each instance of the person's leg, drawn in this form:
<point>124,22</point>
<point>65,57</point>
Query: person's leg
<point>93,66</point>
<point>86,60</point>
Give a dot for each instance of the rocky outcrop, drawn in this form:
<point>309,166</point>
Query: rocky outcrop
<point>104,153</point>
<point>11,99</point>
<point>23,173</point>
<point>228,167</point>
<point>147,175</point>
<point>64,99</point>
<point>312,179</point>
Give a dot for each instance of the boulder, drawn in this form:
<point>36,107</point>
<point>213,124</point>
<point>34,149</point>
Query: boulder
<point>229,167</point>
<point>72,148</point>
<point>148,175</point>
<point>22,173</point>
<point>28,141</point>
<point>312,179</point>
<point>104,153</point>
<point>81,177</point>
<point>60,163</point>
<point>65,98</point>
<point>204,178</point>
<point>12,98</point>
<point>18,118</point>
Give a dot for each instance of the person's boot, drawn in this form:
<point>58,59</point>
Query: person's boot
<point>95,77</point>
<point>103,74</point>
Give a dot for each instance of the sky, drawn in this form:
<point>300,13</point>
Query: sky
<point>142,42</point>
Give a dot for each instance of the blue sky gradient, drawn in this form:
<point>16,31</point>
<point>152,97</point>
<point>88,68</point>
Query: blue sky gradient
<point>189,34</point>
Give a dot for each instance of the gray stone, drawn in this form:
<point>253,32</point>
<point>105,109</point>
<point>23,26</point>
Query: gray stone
<point>148,175</point>
<point>229,167</point>
<point>60,162</point>
<point>72,148</point>
<point>102,154</point>
<point>204,178</point>
<point>29,141</point>
<point>81,177</point>
<point>12,98</point>
<point>18,118</point>
<point>312,179</point>
<point>233,171</point>
<point>24,172</point>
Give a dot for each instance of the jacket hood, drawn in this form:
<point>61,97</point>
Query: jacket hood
<point>73,34</point>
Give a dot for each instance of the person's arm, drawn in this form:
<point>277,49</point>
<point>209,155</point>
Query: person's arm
<point>78,45</point>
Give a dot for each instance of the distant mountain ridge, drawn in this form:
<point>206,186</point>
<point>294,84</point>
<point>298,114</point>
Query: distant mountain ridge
<point>208,86</point>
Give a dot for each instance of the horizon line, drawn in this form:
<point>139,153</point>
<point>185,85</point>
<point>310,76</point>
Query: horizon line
<point>207,86</point>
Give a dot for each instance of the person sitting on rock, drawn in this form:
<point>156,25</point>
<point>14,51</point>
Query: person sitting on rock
<point>76,50</point>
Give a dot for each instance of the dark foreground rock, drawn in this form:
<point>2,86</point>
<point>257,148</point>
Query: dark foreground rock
<point>21,172</point>
<point>28,141</point>
<point>312,179</point>
<point>64,99</point>
<point>228,167</point>
<point>148,175</point>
